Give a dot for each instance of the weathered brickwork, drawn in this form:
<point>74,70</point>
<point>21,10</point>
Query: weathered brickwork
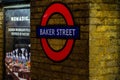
<point>94,57</point>
<point>76,66</point>
<point>104,40</point>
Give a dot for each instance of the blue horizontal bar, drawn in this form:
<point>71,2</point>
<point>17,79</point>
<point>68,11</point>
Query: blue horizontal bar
<point>58,32</point>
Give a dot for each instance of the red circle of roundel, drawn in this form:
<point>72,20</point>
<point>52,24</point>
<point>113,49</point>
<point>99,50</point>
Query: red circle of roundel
<point>63,10</point>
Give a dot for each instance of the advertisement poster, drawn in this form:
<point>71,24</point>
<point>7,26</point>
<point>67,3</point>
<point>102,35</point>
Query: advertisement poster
<point>17,43</point>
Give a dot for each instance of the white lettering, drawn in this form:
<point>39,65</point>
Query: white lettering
<point>21,18</point>
<point>47,32</point>
<point>67,32</point>
<point>19,34</point>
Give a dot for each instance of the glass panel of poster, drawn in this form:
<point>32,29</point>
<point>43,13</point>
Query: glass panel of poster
<point>17,43</point>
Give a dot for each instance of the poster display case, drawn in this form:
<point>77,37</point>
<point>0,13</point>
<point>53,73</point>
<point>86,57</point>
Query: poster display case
<point>17,43</point>
<point>14,1</point>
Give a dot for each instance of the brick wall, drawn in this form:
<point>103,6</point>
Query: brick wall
<point>94,57</point>
<point>76,66</point>
<point>104,40</point>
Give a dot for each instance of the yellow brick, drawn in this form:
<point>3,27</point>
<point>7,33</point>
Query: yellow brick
<point>104,14</point>
<point>56,68</point>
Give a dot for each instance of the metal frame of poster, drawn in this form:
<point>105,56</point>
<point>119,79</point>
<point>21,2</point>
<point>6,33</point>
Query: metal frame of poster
<point>14,1</point>
<point>17,54</point>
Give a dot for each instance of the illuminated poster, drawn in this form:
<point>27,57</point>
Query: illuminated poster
<point>17,43</point>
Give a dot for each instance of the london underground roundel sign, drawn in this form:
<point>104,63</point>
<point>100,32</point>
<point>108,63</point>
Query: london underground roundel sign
<point>69,30</point>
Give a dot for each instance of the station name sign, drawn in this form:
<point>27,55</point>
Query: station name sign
<point>58,31</point>
<point>69,31</point>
